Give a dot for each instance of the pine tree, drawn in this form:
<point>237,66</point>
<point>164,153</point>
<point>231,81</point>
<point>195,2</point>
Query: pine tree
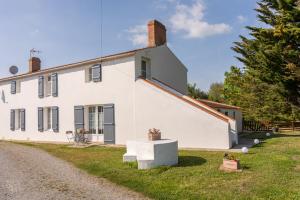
<point>268,87</point>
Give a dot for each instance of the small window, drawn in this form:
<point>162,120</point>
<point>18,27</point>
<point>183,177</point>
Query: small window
<point>233,114</point>
<point>226,113</point>
<point>144,69</point>
<point>15,87</point>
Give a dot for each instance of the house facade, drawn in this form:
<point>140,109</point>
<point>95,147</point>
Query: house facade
<point>115,98</point>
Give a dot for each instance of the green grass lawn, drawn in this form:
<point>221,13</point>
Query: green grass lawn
<point>271,170</point>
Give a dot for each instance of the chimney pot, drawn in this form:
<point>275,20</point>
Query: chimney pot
<point>156,34</point>
<point>34,64</point>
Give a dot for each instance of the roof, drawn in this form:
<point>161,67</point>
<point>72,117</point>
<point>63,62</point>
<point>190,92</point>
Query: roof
<point>76,64</point>
<point>199,105</point>
<point>218,105</point>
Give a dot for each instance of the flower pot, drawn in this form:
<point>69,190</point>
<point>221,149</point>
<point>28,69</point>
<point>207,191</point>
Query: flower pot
<point>154,136</point>
<point>231,164</point>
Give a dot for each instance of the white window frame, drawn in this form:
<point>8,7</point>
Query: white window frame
<point>98,119</point>
<point>17,119</point>
<point>48,85</point>
<point>47,118</point>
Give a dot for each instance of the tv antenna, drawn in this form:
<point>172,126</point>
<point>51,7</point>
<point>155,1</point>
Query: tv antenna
<point>33,52</point>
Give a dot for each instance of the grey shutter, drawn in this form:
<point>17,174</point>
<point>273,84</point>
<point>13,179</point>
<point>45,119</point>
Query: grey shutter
<point>97,73</point>
<point>13,87</point>
<point>79,117</point>
<point>41,86</point>
<point>54,85</point>
<point>12,120</point>
<point>109,124</point>
<point>55,119</point>
<point>22,113</point>
<point>40,119</point>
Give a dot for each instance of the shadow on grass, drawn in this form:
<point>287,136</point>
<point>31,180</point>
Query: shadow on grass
<point>187,161</point>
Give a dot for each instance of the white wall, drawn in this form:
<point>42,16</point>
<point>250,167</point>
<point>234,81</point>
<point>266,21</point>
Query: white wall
<point>237,116</point>
<point>165,66</point>
<point>177,119</point>
<point>118,79</point>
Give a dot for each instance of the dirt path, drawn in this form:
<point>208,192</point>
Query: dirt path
<point>29,173</point>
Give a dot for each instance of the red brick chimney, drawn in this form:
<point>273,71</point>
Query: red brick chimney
<point>34,64</point>
<point>156,34</point>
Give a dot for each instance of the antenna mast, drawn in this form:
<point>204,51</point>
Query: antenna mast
<point>101,22</point>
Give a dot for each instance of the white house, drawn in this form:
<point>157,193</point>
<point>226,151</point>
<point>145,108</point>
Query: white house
<point>116,98</point>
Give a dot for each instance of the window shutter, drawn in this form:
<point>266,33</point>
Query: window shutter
<point>54,85</point>
<point>97,73</point>
<point>79,117</point>
<point>12,120</point>
<point>41,86</point>
<point>109,124</point>
<point>40,119</point>
<point>55,119</point>
<point>22,113</point>
<point>13,87</point>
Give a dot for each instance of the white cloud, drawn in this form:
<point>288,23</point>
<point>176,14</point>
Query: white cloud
<point>189,19</point>
<point>138,35</point>
<point>241,19</point>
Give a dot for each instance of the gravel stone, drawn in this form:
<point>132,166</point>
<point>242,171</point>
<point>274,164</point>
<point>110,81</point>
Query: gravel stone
<point>29,173</point>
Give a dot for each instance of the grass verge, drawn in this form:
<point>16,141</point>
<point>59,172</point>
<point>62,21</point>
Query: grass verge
<point>271,170</point>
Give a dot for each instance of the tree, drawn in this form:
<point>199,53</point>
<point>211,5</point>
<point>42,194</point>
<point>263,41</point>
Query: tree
<point>268,86</point>
<point>216,92</point>
<point>195,92</point>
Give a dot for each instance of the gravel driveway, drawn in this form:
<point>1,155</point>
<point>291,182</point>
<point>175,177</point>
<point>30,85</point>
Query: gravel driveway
<point>29,173</point>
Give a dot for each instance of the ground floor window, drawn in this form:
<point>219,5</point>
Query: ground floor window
<point>95,119</point>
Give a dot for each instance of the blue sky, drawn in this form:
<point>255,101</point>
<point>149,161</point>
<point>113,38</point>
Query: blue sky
<point>200,32</point>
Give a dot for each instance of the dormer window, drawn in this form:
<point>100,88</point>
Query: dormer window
<point>145,68</point>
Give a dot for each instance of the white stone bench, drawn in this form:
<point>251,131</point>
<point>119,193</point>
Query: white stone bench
<point>151,154</point>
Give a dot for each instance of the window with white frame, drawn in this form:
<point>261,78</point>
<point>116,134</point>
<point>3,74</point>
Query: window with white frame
<point>47,122</point>
<point>95,117</point>
<point>17,119</point>
<point>48,85</point>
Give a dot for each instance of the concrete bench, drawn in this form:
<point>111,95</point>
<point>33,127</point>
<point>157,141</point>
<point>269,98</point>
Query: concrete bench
<point>151,154</point>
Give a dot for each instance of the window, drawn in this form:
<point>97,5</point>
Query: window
<point>94,73</point>
<point>95,119</point>
<point>17,119</point>
<point>48,119</point>
<point>144,69</point>
<point>92,122</point>
<point>233,114</point>
<point>100,120</point>
<point>48,111</point>
<point>15,87</point>
<point>226,113</point>
<point>48,85</point>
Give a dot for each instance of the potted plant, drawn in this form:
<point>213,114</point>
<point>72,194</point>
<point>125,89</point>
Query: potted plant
<point>154,134</point>
<point>231,162</point>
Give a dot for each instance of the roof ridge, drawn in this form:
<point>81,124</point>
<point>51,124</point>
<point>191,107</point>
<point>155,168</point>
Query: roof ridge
<point>76,64</point>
